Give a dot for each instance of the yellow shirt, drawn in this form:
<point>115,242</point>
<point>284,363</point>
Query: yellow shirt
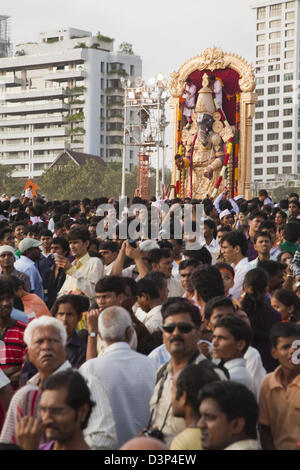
<point>189,439</point>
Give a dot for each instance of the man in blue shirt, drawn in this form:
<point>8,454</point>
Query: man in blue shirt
<point>30,254</point>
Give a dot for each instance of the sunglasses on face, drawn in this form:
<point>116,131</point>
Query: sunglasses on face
<point>182,327</point>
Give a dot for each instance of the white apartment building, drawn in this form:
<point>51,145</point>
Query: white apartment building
<point>63,91</point>
<point>276,135</point>
<point>5,48</point>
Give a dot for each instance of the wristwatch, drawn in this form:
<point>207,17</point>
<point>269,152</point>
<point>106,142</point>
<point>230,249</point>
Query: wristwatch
<point>92,334</point>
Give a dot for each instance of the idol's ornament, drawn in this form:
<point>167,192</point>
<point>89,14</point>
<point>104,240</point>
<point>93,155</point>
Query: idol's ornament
<point>213,107</point>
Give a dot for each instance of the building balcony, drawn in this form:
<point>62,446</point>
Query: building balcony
<point>115,133</point>
<point>63,75</point>
<point>34,108</point>
<point>30,95</point>
<point>10,81</point>
<point>115,119</point>
<point>48,145</point>
<point>114,146</point>
<point>32,120</point>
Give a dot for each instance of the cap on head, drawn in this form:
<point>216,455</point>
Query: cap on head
<point>28,243</point>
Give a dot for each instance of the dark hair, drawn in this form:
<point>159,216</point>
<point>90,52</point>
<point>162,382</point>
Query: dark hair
<point>237,327</point>
<point>78,393</point>
<point>261,234</point>
<point>109,245</point>
<point>295,202</point>
<point>188,262</point>
<point>227,266</point>
<point>271,267</point>
<point>267,225</point>
<point>46,233</point>
<point>74,211</point>
<point>283,330</point>
<point>79,233</point>
<point>177,305</point>
<point>4,231</point>
<point>256,213</point>
<point>263,192</point>
<point>208,282</point>
<point>288,298</point>
<point>192,379</point>
<point>157,277</point>
<point>235,401</point>
<point>6,286</point>
<point>146,286</point>
<point>62,242</point>
<point>253,303</point>
<point>292,232</point>
<point>235,238</point>
<point>284,204</point>
<point>111,284</point>
<point>32,229</point>
<point>211,224</point>
<point>283,253</point>
<point>72,299</point>
<point>131,283</point>
<point>215,302</point>
<point>224,228</point>
<point>282,213</point>
<point>156,254</point>
<point>202,256</point>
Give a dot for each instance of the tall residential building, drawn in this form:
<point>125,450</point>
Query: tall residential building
<point>63,91</point>
<point>5,46</point>
<point>276,146</point>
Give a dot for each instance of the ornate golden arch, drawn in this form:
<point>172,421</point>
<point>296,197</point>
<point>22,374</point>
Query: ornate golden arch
<point>212,59</point>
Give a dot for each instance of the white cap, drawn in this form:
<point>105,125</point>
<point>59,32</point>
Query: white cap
<point>224,213</point>
<point>148,245</point>
<point>240,196</point>
<point>27,243</point>
<point>6,249</point>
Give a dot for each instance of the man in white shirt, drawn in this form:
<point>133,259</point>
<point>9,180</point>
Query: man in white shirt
<point>161,260</point>
<point>84,273</point>
<point>149,301</point>
<point>109,251</point>
<point>231,339</point>
<point>262,244</point>
<point>234,249</point>
<point>127,376</point>
<point>209,239</point>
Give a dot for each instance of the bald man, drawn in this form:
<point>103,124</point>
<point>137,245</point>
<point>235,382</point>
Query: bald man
<point>144,443</point>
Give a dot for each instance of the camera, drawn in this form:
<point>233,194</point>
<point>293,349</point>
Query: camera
<point>156,433</point>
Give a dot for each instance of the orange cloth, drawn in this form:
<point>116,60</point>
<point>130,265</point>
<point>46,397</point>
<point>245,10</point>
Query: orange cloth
<point>33,303</point>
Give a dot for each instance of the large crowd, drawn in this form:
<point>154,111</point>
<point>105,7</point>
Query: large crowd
<point>188,342</point>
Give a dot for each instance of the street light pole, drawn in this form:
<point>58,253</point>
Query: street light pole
<point>124,144</point>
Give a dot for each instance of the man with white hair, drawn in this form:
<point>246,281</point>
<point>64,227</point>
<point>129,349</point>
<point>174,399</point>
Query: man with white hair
<point>46,341</point>
<point>139,254</point>
<point>127,376</point>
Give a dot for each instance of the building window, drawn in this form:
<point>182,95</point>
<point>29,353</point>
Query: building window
<point>273,125</point>
<point>287,135</point>
<point>260,51</point>
<point>275,10</point>
<point>259,149</point>
<point>132,70</point>
<point>288,88</point>
<point>272,159</point>
<point>288,76</point>
<point>288,100</point>
<point>259,138</point>
<point>102,67</point>
<point>289,66</point>
<point>273,90</point>
<point>260,104</point>
<point>261,13</point>
<point>259,126</point>
<point>272,148</point>
<point>258,171</point>
<point>260,92</point>
<point>274,48</point>
<point>287,158</point>
<point>259,115</point>
<point>275,35</point>
<point>287,170</point>
<point>275,24</point>
<point>290,5</point>
<point>260,37</point>
<point>261,26</point>
<point>287,112</point>
<point>260,81</point>
<point>272,136</point>
<point>289,44</point>
<point>258,161</point>
<point>287,123</point>
<point>289,33</point>
<point>273,113</point>
<point>272,171</point>
<point>290,15</point>
<point>290,25</point>
<point>273,102</point>
<point>273,78</point>
<point>272,68</point>
<point>289,54</point>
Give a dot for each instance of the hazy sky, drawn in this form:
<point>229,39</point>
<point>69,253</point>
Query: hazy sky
<point>165,33</point>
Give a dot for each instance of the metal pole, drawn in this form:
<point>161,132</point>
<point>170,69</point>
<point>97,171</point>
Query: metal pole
<point>124,144</point>
<point>157,147</point>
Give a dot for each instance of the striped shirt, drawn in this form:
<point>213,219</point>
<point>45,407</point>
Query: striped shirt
<point>12,353</point>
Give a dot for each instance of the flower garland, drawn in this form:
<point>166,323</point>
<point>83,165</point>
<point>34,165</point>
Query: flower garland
<point>237,146</point>
<point>191,164</point>
<point>228,152</point>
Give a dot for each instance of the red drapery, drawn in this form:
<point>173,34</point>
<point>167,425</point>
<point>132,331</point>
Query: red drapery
<point>230,78</point>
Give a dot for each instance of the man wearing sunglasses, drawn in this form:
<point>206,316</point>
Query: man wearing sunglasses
<point>181,332</point>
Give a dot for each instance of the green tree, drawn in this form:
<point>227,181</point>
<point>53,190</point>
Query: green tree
<point>126,48</point>
<point>8,184</point>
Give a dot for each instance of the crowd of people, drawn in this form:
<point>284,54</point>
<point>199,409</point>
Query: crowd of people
<point>144,342</point>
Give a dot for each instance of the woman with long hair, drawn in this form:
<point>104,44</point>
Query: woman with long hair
<point>287,303</point>
<point>261,315</point>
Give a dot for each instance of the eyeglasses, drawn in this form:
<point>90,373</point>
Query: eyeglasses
<point>182,327</point>
<point>52,411</point>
